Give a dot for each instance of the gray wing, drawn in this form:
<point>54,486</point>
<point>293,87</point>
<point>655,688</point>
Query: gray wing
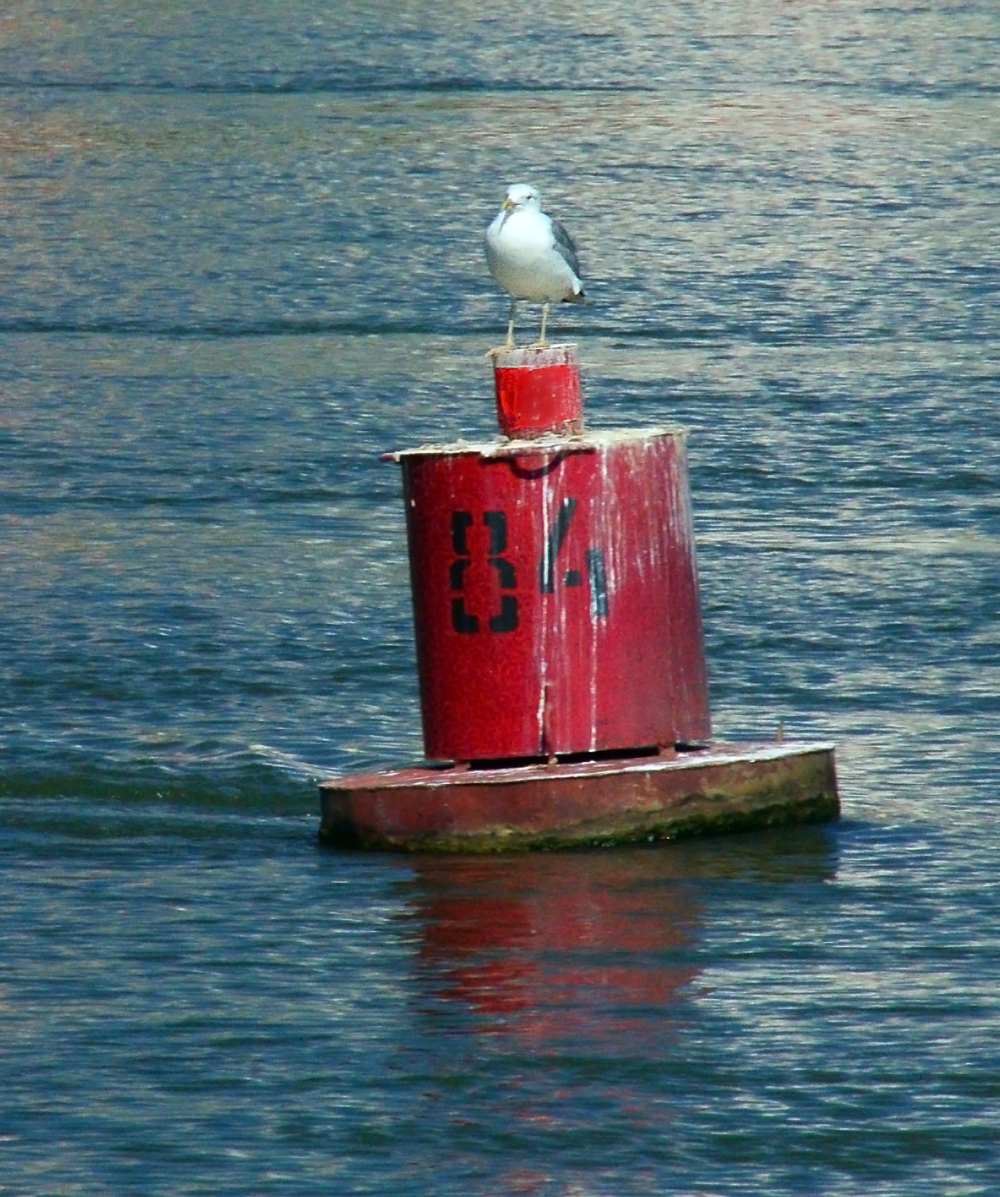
<point>564,244</point>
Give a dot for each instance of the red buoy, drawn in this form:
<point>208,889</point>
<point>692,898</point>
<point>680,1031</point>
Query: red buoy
<point>559,646</point>
<point>555,596</point>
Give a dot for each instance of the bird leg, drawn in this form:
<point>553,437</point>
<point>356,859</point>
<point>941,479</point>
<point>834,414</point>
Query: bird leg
<point>545,316</point>
<point>510,326</point>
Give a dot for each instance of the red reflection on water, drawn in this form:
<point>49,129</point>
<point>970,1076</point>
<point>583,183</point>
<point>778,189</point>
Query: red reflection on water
<point>556,946</point>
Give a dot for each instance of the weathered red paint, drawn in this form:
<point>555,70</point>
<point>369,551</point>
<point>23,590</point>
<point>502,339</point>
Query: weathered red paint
<point>555,596</point>
<point>726,787</point>
<point>538,390</point>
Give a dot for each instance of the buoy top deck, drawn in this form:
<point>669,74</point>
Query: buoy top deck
<point>592,441</point>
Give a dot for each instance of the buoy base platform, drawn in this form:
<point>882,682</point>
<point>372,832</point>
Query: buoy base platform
<point>570,804</point>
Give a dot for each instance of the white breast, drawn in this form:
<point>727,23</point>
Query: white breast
<point>524,258</point>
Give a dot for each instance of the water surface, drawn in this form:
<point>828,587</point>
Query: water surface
<point>241,257</point>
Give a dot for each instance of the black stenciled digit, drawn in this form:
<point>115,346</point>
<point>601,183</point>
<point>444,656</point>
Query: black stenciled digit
<point>596,573</point>
<point>457,573</point>
<point>553,543</point>
<point>506,572</point>
<point>461,620</point>
<point>496,522</point>
<point>461,522</point>
<point>506,621</point>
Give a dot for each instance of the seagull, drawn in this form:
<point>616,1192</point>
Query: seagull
<point>531,256</point>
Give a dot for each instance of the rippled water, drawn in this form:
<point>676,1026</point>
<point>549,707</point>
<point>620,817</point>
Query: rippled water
<point>241,257</point>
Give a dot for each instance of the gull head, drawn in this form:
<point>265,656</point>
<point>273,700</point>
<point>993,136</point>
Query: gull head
<point>521,195</point>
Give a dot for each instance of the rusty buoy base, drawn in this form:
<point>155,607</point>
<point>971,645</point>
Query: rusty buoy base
<point>719,788</point>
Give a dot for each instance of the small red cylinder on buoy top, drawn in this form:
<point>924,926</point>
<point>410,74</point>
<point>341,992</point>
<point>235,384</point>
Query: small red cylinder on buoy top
<point>554,587</point>
<point>538,391</point>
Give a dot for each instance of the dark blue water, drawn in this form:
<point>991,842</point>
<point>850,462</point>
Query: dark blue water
<point>240,256</point>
